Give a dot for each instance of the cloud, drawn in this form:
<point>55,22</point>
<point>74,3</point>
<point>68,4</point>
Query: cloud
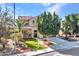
<point>2,5</point>
<point>55,8</point>
<point>46,4</point>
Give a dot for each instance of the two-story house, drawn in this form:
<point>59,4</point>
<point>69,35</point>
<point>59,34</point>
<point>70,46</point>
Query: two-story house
<point>28,28</point>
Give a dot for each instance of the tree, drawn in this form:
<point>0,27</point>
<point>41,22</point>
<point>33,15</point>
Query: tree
<point>48,24</point>
<point>19,24</point>
<point>71,23</point>
<point>5,21</point>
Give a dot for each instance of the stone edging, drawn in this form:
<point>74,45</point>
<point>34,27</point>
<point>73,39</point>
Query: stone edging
<point>34,53</point>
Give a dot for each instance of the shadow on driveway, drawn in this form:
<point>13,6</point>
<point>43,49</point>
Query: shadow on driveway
<point>72,52</point>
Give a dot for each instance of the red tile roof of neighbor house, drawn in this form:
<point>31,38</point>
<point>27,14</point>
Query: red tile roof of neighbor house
<point>26,17</point>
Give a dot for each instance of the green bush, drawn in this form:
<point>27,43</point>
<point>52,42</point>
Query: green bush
<point>33,44</point>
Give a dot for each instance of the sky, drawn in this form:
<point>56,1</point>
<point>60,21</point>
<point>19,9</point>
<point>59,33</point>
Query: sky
<point>35,9</point>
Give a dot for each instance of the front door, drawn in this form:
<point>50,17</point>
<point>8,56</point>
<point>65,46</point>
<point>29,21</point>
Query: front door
<point>35,33</point>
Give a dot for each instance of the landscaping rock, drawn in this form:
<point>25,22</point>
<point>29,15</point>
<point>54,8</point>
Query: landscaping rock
<point>10,45</point>
<point>45,43</point>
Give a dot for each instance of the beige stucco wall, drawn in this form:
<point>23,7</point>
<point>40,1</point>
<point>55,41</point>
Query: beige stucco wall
<point>31,23</point>
<point>32,26</point>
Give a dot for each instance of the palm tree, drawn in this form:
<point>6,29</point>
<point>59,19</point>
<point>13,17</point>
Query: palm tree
<point>19,25</point>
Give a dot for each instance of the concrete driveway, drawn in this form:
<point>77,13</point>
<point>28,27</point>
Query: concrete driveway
<point>63,48</point>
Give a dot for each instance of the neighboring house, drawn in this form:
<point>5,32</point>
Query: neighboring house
<point>29,28</point>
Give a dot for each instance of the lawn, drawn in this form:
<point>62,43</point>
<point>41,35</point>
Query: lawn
<point>33,44</point>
